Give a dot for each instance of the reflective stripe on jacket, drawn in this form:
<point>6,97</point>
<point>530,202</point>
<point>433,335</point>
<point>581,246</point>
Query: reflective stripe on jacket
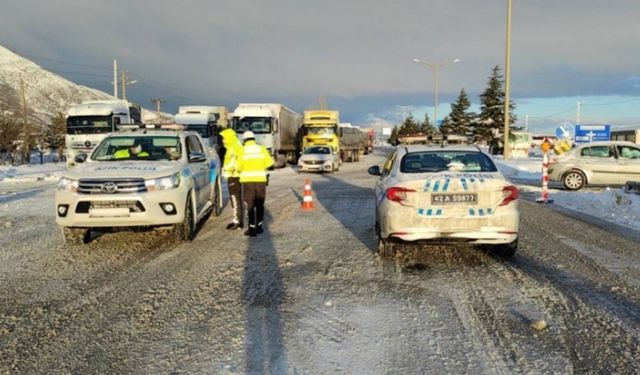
<point>253,162</point>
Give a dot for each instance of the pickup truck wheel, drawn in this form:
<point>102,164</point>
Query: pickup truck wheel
<point>74,236</point>
<point>217,209</point>
<point>183,231</point>
<point>506,250</point>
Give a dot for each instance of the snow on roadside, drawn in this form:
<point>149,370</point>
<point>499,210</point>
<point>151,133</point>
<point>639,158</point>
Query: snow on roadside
<point>610,204</point>
<point>31,173</point>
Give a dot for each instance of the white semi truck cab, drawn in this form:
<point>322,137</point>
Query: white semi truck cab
<point>89,122</point>
<point>275,126</point>
<point>207,121</point>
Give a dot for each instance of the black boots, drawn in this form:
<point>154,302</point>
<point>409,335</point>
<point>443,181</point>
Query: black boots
<point>233,226</point>
<point>252,232</point>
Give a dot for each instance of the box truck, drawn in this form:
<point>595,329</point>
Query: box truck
<point>275,126</point>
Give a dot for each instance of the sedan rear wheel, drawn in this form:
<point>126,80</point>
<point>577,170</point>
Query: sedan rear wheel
<point>574,180</point>
<point>507,250</point>
<point>386,249</point>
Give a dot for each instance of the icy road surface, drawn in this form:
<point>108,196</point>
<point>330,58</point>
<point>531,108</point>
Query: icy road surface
<point>310,296</point>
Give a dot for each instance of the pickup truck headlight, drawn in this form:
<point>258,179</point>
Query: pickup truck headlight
<point>68,184</point>
<point>163,183</point>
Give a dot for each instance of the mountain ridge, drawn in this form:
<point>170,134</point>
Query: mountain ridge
<point>46,93</point>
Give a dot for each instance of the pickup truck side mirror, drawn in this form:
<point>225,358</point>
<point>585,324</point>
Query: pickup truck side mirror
<point>197,157</point>
<point>80,158</point>
<point>374,171</point>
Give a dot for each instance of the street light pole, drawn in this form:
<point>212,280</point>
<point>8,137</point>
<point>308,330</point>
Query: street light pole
<point>436,72</point>
<point>507,85</point>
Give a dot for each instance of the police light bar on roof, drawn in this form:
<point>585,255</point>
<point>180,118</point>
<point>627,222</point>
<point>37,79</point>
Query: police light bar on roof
<point>164,126</point>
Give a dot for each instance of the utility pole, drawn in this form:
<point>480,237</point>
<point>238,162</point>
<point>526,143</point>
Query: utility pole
<point>526,122</point>
<point>507,86</point>
<point>157,102</point>
<point>323,102</point>
<point>115,78</point>
<point>25,124</point>
<point>579,104</point>
<point>125,83</point>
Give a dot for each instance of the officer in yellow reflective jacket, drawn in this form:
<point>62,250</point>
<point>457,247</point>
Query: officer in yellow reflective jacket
<point>134,151</point>
<point>253,162</point>
<point>231,172</point>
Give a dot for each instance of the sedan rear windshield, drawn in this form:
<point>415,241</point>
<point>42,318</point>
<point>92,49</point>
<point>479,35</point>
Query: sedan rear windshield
<point>438,161</point>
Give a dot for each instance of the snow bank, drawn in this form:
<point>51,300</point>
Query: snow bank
<point>29,173</point>
<point>529,170</point>
<point>609,204</point>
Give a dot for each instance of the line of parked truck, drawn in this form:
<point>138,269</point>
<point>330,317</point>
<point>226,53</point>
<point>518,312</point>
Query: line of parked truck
<point>285,133</point>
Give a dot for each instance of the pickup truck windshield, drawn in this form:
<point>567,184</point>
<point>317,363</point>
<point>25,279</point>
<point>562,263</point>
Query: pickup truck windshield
<point>89,124</point>
<point>119,148</point>
<point>258,125</point>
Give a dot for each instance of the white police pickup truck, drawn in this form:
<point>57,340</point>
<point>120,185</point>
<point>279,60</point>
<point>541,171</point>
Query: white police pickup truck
<point>140,178</point>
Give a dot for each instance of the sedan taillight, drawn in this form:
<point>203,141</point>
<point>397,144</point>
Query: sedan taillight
<point>398,194</point>
<point>509,194</point>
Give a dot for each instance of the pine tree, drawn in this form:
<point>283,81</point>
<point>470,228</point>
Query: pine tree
<point>55,131</point>
<point>409,126</point>
<point>426,127</point>
<point>393,138</point>
<point>491,118</point>
<point>461,119</point>
<point>446,127</point>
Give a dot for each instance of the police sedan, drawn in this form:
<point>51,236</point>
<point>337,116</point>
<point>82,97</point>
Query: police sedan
<point>444,194</point>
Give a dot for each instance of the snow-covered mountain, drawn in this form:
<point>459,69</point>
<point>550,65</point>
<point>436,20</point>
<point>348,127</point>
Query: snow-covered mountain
<point>46,93</point>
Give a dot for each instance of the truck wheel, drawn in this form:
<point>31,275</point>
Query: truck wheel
<point>183,232</point>
<point>74,236</point>
<point>574,180</point>
<point>506,250</point>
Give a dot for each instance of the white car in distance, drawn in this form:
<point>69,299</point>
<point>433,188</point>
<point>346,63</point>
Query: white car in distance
<point>436,194</point>
<point>319,159</point>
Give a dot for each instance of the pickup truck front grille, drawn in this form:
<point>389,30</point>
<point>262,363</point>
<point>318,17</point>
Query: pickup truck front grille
<point>111,186</point>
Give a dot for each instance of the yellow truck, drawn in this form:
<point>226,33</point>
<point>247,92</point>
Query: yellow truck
<point>320,128</point>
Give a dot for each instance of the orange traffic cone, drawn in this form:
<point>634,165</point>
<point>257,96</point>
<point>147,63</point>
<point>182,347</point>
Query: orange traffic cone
<point>307,199</point>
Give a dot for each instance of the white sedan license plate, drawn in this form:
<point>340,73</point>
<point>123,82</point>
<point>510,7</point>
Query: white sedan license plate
<point>454,198</point>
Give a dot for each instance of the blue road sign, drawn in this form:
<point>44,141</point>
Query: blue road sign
<point>564,130</point>
<point>592,133</point>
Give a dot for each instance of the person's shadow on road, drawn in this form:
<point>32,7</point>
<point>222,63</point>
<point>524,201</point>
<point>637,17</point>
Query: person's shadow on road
<point>262,295</point>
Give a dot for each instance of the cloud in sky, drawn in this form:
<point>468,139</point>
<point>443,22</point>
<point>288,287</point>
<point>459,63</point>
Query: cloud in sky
<point>357,53</point>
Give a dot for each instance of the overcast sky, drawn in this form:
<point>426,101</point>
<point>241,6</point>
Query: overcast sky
<point>357,53</point>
